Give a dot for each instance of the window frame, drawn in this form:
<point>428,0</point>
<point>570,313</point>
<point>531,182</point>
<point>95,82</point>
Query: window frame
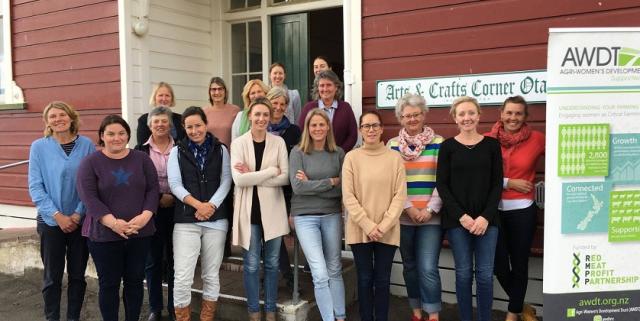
<point>12,98</point>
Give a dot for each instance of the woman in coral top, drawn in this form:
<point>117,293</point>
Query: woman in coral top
<point>521,148</point>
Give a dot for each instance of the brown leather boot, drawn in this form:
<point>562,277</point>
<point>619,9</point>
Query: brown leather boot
<point>271,316</point>
<point>208,310</point>
<point>183,314</point>
<point>528,313</point>
<point>254,316</point>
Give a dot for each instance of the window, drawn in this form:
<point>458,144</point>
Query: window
<point>246,56</point>
<point>10,94</point>
<point>243,4</point>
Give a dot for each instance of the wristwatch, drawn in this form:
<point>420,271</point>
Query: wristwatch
<point>430,211</point>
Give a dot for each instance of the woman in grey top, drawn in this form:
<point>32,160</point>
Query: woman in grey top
<point>315,167</point>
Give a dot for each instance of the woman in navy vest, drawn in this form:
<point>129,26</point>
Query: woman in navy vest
<point>200,178</point>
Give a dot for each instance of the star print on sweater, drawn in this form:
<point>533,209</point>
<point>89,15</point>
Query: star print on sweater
<point>122,176</point>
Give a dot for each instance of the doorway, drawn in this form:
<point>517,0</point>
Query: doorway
<point>296,39</point>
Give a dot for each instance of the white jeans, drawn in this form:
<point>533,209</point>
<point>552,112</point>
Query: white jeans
<point>189,241</point>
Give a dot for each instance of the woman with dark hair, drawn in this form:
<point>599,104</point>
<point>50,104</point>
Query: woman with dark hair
<point>201,213</point>
<point>161,95</point>
<point>521,147</point>
<point>374,191</point>
<point>219,111</point>
<point>53,163</point>
<point>260,169</point>
<point>327,90</point>
<point>252,90</point>
<point>469,181</point>
<point>321,63</point>
<point>119,187</point>
<point>420,230</point>
<point>160,258</point>
<point>314,171</point>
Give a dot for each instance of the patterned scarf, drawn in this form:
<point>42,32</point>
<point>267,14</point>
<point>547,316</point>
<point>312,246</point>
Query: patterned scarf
<point>279,128</point>
<point>412,146</point>
<point>201,151</point>
<point>508,140</point>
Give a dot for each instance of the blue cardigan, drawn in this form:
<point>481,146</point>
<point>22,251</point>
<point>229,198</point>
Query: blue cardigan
<point>52,177</point>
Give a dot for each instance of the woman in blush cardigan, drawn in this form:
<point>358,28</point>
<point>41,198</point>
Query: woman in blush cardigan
<point>260,169</point>
<point>521,147</point>
<point>53,163</point>
<point>469,181</point>
<point>374,190</point>
<point>420,231</point>
<point>327,90</point>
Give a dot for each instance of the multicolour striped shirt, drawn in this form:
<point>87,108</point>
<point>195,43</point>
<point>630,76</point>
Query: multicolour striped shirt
<point>421,180</point>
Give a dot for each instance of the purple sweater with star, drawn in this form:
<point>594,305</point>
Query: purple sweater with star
<point>122,187</point>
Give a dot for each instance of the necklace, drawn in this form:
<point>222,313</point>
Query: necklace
<point>471,146</point>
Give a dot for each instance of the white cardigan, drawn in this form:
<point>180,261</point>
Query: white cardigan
<point>272,205</point>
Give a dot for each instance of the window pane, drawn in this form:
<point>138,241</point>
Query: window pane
<point>253,3</point>
<point>236,4</point>
<point>255,47</point>
<point>255,76</point>
<point>238,48</point>
<point>238,85</point>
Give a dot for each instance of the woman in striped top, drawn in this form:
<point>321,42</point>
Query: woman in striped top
<point>420,232</point>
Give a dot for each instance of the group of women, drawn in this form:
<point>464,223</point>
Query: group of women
<point>170,201</point>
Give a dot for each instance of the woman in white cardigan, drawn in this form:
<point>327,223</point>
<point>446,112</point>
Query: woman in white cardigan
<point>260,169</point>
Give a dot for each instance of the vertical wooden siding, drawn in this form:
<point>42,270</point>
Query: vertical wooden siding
<point>62,50</point>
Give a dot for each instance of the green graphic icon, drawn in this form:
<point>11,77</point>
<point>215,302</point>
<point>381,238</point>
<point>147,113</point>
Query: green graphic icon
<point>576,270</point>
<point>624,216</point>
<point>597,317</point>
<point>571,313</point>
<point>583,150</point>
<point>628,57</point>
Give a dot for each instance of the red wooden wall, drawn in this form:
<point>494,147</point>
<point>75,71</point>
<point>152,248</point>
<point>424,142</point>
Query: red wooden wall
<point>457,37</point>
<point>62,50</point>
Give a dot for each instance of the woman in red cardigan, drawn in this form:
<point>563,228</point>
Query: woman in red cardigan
<point>521,148</point>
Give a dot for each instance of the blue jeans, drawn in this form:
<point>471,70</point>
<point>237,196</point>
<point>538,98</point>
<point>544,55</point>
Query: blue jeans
<point>420,250</point>
<point>251,274</point>
<point>56,247</point>
<point>120,261</point>
<point>320,238</point>
<point>160,261</point>
<point>467,248</point>
<point>373,264</point>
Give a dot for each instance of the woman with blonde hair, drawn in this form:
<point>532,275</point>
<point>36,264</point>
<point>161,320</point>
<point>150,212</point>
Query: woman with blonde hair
<point>252,90</point>
<point>314,171</point>
<point>53,164</point>
<point>469,181</point>
<point>161,95</point>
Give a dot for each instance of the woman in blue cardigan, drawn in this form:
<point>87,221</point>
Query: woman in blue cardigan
<point>53,163</point>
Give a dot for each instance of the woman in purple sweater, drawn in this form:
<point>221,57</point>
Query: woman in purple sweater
<point>119,187</point>
<point>327,89</point>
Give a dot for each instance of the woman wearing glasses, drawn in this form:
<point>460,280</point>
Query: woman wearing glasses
<point>374,204</point>
<point>220,113</point>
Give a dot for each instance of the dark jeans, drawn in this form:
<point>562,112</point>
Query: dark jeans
<point>373,264</point>
<point>160,261</point>
<point>512,253</point>
<point>55,247</point>
<point>120,261</point>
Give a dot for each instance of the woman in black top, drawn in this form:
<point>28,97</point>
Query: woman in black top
<point>162,95</point>
<point>469,180</point>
